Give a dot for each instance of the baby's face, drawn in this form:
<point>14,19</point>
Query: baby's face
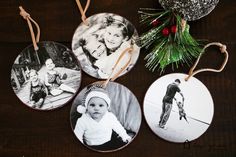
<point>49,64</point>
<point>96,48</point>
<point>33,76</point>
<point>96,108</point>
<point>113,37</point>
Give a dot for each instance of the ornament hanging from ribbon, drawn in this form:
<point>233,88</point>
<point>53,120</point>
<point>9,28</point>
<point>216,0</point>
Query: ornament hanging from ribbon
<point>46,74</point>
<point>178,107</point>
<point>99,41</point>
<point>168,39</point>
<point>100,124</point>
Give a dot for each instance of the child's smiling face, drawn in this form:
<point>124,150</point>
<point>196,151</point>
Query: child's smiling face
<point>96,48</point>
<point>33,76</point>
<point>113,37</point>
<point>49,64</point>
<point>96,108</point>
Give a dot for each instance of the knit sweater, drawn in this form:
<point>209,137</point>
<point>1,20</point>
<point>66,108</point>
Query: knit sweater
<point>97,133</point>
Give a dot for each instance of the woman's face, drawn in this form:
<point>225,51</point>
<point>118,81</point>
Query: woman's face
<point>96,48</point>
<point>96,108</point>
<point>113,37</point>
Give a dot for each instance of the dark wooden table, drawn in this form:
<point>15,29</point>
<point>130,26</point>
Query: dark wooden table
<point>29,133</point>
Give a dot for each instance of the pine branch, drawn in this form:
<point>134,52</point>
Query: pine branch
<point>177,47</point>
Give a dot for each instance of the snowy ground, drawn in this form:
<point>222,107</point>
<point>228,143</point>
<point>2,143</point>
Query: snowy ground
<point>175,130</point>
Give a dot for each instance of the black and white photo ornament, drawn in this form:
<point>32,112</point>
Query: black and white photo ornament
<point>190,9</point>
<point>105,119</point>
<point>178,110</point>
<point>47,78</point>
<point>99,45</point>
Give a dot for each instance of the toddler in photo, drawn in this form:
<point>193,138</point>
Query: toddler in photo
<point>38,90</point>
<point>53,80</point>
<point>182,113</point>
<point>99,128</point>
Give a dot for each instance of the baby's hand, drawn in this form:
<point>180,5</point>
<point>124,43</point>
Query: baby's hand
<point>48,85</point>
<point>127,140</point>
<point>32,102</point>
<point>64,76</point>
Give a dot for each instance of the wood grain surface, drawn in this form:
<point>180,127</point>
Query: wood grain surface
<point>29,133</point>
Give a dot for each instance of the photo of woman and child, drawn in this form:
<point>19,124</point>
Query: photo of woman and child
<point>39,83</point>
<point>105,121</point>
<point>99,46</point>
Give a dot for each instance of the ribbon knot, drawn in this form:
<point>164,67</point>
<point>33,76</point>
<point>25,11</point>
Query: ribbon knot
<point>23,13</point>
<point>83,11</point>
<point>27,17</point>
<point>223,48</point>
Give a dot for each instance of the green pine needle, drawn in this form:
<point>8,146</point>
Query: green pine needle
<point>175,49</point>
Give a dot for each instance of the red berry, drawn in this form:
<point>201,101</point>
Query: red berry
<point>155,23</point>
<point>173,29</point>
<point>165,32</point>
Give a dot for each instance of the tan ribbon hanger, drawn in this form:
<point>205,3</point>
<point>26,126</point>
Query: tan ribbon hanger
<point>83,11</point>
<point>222,49</point>
<point>110,78</point>
<point>27,17</point>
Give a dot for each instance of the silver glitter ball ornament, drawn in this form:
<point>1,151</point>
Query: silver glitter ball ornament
<point>190,9</point>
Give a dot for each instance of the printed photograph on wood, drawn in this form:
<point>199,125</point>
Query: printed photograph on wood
<point>47,78</point>
<point>107,119</point>
<point>178,110</point>
<point>99,45</point>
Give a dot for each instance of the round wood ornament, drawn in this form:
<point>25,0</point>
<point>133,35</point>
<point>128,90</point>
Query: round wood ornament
<point>99,44</point>
<point>46,78</point>
<point>178,107</point>
<point>105,119</point>
<point>178,110</point>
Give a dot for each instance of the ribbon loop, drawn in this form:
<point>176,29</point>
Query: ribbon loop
<point>23,13</point>
<point>27,17</point>
<point>223,49</point>
<point>110,78</point>
<point>83,11</point>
